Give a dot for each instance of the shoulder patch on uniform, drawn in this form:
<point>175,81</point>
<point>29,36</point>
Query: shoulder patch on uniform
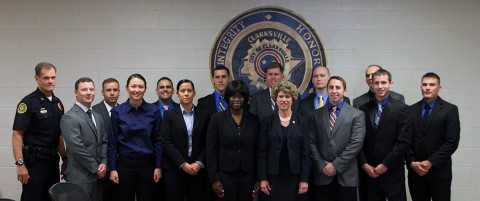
<point>22,108</point>
<point>60,107</point>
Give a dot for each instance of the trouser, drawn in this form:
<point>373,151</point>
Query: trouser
<point>135,175</point>
<point>423,188</point>
<point>334,192</point>
<point>43,172</point>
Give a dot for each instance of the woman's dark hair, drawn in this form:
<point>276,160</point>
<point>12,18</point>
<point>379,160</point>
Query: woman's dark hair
<point>183,82</point>
<point>136,75</point>
<point>237,86</point>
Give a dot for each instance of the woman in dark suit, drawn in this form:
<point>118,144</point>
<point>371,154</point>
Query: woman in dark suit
<point>232,147</point>
<point>183,135</point>
<point>283,159</point>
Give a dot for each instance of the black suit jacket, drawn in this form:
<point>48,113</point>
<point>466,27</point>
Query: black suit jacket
<point>230,149</point>
<point>307,105</point>
<point>366,97</point>
<point>208,104</point>
<point>261,104</point>
<point>101,109</point>
<point>437,140</point>
<point>174,137</point>
<point>174,105</point>
<point>270,145</point>
<point>388,143</point>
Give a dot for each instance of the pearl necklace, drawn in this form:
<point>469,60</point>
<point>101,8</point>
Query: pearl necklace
<point>284,120</point>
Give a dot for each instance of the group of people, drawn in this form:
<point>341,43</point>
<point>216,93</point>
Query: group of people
<point>233,146</point>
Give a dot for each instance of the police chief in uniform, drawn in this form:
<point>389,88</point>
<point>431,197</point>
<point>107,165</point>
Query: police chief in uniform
<point>37,140</point>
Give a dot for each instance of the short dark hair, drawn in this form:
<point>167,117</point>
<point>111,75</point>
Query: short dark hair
<point>165,78</point>
<point>338,78</point>
<point>221,67</point>
<point>274,65</point>
<point>375,65</point>
<point>109,80</point>
<point>431,75</point>
<point>183,82</point>
<point>383,72</point>
<point>81,80</point>
<point>136,75</point>
<point>43,65</point>
<point>237,86</point>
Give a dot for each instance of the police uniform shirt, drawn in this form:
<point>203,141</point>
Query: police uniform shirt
<point>39,119</point>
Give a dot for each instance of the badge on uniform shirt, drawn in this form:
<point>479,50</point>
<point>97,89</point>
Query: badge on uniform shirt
<point>43,111</point>
<point>59,106</point>
<point>22,108</point>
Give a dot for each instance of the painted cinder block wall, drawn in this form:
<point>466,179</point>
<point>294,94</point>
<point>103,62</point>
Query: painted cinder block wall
<point>115,38</point>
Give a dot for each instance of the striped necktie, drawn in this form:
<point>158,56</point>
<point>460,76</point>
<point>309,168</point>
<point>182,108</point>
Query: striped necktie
<point>378,114</point>
<point>221,106</point>
<point>333,117</point>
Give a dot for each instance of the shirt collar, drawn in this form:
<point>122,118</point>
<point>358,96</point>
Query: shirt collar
<point>84,108</point>
<point>184,111</point>
<point>108,106</point>
<point>141,107</point>
<point>431,104</point>
<point>339,106</point>
<point>324,95</point>
<point>217,95</point>
<point>43,97</point>
<point>383,102</point>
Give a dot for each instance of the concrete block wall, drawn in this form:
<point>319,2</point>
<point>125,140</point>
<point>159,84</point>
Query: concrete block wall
<point>115,38</point>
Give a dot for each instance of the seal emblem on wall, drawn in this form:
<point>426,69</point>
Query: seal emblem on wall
<point>257,37</point>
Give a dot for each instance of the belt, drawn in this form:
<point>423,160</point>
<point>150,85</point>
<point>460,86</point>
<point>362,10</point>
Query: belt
<point>46,151</point>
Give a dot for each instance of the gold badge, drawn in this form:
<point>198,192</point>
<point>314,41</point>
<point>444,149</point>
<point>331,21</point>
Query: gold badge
<point>43,111</point>
<point>22,108</point>
<point>60,106</point>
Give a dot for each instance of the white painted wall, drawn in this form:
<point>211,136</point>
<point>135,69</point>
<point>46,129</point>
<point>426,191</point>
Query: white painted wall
<point>115,38</point>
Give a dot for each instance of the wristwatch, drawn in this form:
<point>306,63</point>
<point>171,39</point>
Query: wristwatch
<point>19,162</point>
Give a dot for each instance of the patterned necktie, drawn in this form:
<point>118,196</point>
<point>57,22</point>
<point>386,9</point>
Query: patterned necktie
<point>272,104</point>
<point>221,106</point>
<point>378,114</point>
<point>333,117</point>
<point>166,107</point>
<point>320,102</point>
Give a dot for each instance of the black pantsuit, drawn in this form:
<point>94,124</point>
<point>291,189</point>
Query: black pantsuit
<point>232,152</point>
<point>175,144</point>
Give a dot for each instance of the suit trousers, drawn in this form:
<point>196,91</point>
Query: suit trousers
<point>423,189</point>
<point>334,192</point>
<point>379,190</point>
<point>135,177</point>
<point>43,174</point>
<point>181,186</point>
<point>94,190</point>
<point>238,185</point>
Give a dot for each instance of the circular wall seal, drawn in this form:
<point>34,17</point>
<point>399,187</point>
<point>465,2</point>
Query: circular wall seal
<point>257,37</point>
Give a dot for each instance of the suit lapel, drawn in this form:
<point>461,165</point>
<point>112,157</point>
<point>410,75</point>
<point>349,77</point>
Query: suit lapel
<point>418,115</point>
<point>277,125</point>
<point>180,121</point>
<point>292,128</point>
<point>325,115</point>
<point>435,110</point>
<point>371,113</point>
<point>82,114</point>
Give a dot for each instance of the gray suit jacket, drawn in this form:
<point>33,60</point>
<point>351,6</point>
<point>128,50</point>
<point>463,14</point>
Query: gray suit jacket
<point>339,146</point>
<point>86,145</point>
<point>365,98</point>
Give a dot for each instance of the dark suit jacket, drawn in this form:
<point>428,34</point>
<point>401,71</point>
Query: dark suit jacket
<point>208,104</point>
<point>270,145</point>
<point>86,145</point>
<point>365,98</point>
<point>437,140</point>
<point>101,109</point>
<point>229,149</point>
<point>388,143</point>
<point>339,146</point>
<point>307,105</point>
<point>174,137</point>
<point>261,104</point>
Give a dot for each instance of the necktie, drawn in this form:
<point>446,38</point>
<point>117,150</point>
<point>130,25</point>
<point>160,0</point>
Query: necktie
<point>426,114</point>
<point>221,106</point>
<point>89,113</point>
<point>333,117</point>
<point>272,104</point>
<point>320,102</point>
<point>166,107</point>
<point>378,114</point>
